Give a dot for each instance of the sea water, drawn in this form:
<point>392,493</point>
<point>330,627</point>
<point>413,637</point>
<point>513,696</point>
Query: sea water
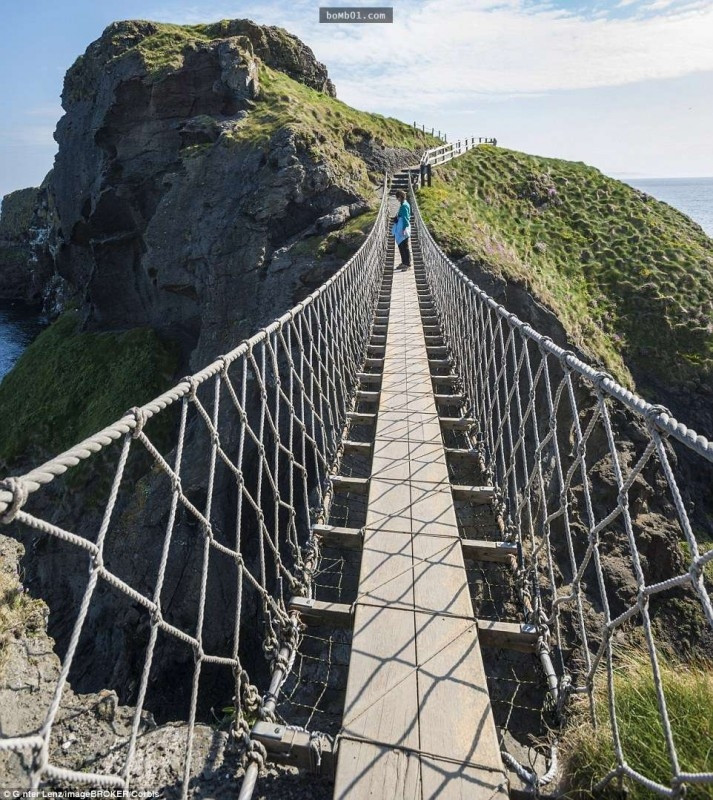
<point>692,196</point>
<point>19,325</point>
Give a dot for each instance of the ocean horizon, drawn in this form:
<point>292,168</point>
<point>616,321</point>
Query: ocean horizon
<point>692,196</point>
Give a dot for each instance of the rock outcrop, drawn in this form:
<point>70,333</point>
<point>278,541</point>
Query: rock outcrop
<point>26,224</point>
<point>168,215</point>
<point>206,181</point>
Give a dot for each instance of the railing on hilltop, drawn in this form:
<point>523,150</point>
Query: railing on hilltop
<point>270,415</point>
<point>585,474</point>
<point>446,152</point>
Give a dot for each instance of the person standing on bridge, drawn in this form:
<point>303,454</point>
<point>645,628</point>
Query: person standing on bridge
<point>402,229</point>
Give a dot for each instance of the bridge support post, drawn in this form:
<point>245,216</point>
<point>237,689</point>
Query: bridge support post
<point>429,173</point>
<point>422,176</point>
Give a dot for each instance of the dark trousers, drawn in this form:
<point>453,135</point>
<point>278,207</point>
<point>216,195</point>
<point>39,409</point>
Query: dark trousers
<point>405,251</point>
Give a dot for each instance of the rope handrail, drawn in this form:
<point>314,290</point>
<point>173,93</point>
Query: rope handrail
<point>582,468</point>
<point>258,433</point>
<point>47,472</point>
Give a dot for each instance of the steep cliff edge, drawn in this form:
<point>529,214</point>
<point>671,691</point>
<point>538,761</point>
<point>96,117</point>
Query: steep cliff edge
<point>207,180</point>
<point>626,279</point>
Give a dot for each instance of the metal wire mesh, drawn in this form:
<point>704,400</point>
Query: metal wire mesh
<point>585,472</point>
<point>265,422</point>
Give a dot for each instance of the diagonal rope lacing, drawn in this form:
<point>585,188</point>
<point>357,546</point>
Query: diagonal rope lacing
<point>548,427</point>
<point>272,411</point>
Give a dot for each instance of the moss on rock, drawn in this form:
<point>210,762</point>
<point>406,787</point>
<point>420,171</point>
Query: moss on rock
<point>68,385</point>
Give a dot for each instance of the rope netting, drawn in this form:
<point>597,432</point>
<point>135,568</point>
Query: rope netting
<point>242,479</point>
<point>591,484</point>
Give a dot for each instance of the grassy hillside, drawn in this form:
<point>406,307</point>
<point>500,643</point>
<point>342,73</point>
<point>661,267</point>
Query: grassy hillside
<point>629,277</point>
<point>68,385</point>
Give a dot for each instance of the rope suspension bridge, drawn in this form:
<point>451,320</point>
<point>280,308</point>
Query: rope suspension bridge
<point>403,483</point>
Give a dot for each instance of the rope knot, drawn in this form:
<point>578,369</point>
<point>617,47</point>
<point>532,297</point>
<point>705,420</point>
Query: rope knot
<point>602,376</point>
<point>255,751</point>
<point>192,386</point>
<point>140,417</point>
<point>565,359</point>
<point>20,494</point>
<point>655,411</point>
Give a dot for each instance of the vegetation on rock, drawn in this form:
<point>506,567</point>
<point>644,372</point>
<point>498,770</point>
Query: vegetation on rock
<point>589,754</point>
<point>68,385</point>
<point>629,277</point>
<point>17,211</point>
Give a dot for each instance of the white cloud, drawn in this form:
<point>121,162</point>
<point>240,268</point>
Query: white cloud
<point>449,50</point>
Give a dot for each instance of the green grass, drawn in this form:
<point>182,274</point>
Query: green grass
<point>342,243</point>
<point>630,278</point>
<point>328,130</point>
<point>325,128</point>
<point>588,753</point>
<point>68,385</point>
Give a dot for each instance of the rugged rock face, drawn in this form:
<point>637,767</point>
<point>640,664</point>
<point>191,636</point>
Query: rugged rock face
<point>201,192</point>
<point>91,732</point>
<point>25,228</point>
<point>165,219</point>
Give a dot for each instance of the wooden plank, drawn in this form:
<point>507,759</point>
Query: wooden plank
<point>450,399</point>
<point>451,676</point>
<point>481,550</point>
<point>440,585</point>
<point>369,378</point>
<point>447,780</point>
<point>344,483</point>
<point>367,771</point>
<point>391,460</point>
<point>361,419</point>
<point>318,612</point>
<point>335,536</point>
<point>381,701</point>
<point>367,397</point>
<point>458,423</point>
<point>359,448</point>
<point>508,635</point>
<point>389,506</point>
<point>432,510</point>
<point>386,577</point>
<point>462,452</point>
<point>474,494</point>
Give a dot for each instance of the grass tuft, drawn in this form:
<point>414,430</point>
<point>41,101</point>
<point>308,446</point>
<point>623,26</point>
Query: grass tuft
<point>589,754</point>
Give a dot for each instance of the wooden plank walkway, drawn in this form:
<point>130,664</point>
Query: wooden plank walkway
<point>417,719</point>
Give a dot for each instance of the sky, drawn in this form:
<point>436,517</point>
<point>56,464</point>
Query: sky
<point>624,85</point>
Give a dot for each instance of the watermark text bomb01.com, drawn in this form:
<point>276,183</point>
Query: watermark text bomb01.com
<point>361,14</point>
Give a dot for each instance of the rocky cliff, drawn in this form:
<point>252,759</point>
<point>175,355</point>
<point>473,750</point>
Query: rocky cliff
<point>184,171</point>
<point>207,179</point>
<point>26,223</point>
